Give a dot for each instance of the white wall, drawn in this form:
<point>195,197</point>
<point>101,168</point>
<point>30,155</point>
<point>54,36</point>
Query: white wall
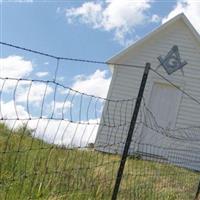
<point>126,80</point>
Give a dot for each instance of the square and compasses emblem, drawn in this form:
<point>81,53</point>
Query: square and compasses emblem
<point>172,61</point>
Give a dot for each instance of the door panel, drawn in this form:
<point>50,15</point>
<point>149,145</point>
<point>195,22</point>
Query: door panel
<point>163,104</point>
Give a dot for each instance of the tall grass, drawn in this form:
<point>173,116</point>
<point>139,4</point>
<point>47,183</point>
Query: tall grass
<point>33,169</point>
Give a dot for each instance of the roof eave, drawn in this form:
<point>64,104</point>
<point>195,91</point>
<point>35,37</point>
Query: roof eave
<point>116,57</point>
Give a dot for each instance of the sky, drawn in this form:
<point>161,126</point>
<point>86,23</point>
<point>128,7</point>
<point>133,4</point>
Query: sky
<point>93,30</point>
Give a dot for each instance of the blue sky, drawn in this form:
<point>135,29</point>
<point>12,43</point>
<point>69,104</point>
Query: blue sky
<point>93,30</point>
<point>43,26</point>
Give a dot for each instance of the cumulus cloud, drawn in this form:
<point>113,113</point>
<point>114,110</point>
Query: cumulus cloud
<point>113,15</point>
<point>94,84</point>
<point>66,133</point>
<point>10,110</point>
<point>155,18</point>
<point>15,67</point>
<point>190,8</point>
<point>41,74</point>
<point>27,96</point>
<point>34,92</point>
<point>59,107</point>
<point>60,132</point>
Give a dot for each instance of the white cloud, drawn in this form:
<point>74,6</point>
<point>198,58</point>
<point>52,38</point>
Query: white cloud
<point>34,92</point>
<point>66,133</point>
<point>155,18</point>
<point>52,131</point>
<point>41,74</point>
<point>190,8</point>
<point>10,110</point>
<point>89,13</point>
<point>15,67</point>
<point>95,84</point>
<point>113,15</point>
<point>60,107</point>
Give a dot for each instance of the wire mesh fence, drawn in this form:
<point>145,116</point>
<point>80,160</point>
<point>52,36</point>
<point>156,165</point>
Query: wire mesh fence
<point>60,143</point>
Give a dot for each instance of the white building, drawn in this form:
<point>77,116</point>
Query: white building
<point>171,108</point>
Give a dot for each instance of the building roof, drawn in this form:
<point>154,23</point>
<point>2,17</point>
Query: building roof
<point>181,16</point>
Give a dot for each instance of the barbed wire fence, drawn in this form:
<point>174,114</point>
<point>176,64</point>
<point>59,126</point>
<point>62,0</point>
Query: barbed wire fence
<point>50,149</point>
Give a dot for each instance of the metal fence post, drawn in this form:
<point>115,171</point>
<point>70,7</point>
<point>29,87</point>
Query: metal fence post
<point>198,192</point>
<point>130,132</point>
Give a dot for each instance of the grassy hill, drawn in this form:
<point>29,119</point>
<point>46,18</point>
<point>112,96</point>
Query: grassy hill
<point>33,169</point>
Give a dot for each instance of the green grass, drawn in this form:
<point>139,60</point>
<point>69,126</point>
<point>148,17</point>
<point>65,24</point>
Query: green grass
<point>33,169</point>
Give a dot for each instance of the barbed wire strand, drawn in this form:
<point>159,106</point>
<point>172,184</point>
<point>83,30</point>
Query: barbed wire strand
<point>69,59</point>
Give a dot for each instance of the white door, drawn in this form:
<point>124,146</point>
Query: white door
<point>163,103</point>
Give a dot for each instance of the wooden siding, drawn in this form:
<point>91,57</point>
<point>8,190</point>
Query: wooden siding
<point>126,80</point>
